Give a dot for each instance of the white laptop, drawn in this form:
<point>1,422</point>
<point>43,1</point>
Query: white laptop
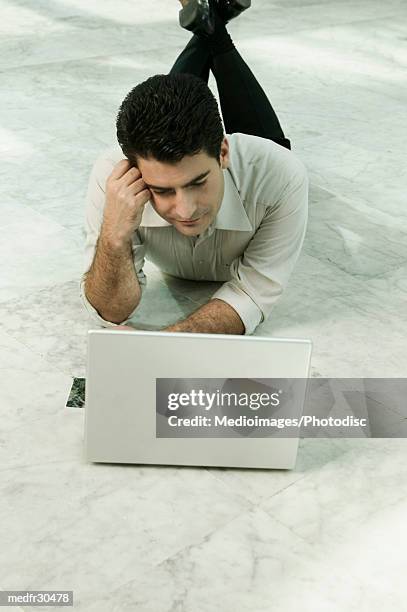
<point>193,399</point>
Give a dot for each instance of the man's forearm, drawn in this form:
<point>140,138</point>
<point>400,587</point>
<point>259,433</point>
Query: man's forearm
<point>111,284</point>
<point>215,317</point>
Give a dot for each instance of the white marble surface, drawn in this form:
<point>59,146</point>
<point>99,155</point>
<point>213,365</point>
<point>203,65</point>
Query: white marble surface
<point>331,534</point>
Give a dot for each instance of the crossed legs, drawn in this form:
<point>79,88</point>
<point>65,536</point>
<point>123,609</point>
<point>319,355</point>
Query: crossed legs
<point>244,105</point>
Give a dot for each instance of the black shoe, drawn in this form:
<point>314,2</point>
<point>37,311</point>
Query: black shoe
<point>197,17</point>
<point>229,9</point>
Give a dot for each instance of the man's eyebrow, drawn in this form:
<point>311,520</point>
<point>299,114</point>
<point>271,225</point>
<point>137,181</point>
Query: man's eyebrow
<point>194,180</point>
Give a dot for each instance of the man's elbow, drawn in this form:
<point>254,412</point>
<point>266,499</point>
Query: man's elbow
<point>118,315</point>
<point>114,312</point>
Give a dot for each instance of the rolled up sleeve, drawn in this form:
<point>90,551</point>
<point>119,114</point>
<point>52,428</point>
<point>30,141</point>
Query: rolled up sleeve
<point>261,273</point>
<point>249,312</point>
<point>95,202</point>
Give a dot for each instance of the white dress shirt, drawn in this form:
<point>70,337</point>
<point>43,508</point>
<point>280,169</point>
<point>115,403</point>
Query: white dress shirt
<point>252,245</point>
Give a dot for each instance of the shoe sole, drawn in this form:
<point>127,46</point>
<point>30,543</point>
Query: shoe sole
<point>229,9</point>
<point>195,16</point>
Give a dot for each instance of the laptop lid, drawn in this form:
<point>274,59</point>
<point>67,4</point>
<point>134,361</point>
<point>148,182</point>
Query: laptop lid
<point>132,375</point>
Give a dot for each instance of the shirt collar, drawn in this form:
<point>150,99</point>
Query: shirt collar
<point>231,215</point>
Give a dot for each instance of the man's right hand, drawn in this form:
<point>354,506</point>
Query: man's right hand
<point>126,197</point>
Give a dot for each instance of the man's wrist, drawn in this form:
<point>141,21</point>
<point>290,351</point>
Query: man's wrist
<point>174,328</point>
<point>114,243</point>
<point>214,317</point>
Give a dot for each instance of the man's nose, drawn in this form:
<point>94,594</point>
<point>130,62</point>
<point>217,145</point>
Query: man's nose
<point>185,207</point>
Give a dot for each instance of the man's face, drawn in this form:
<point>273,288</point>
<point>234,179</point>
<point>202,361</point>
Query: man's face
<point>187,194</point>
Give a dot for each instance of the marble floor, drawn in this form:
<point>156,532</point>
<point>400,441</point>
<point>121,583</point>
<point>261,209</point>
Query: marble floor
<point>330,535</point>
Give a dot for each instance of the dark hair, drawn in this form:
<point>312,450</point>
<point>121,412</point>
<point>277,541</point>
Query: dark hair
<point>169,116</point>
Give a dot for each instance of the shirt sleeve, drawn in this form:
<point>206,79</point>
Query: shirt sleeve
<point>261,273</point>
<point>94,206</point>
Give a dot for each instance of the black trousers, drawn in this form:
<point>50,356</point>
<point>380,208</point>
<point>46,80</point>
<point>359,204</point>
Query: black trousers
<point>244,105</point>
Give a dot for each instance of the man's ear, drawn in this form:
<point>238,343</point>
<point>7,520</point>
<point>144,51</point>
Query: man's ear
<point>224,154</point>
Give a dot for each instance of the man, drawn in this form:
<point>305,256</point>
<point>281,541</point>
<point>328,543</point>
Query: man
<point>199,203</point>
